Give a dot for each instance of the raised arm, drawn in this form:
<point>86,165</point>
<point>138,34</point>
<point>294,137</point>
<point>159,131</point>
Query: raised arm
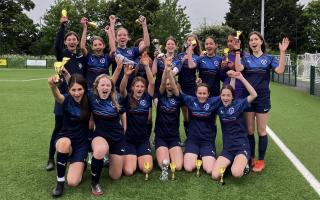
<point>54,89</point>
<point>146,61</point>
<point>155,63</point>
<point>128,70</point>
<point>170,76</point>
<point>146,38</point>
<point>237,65</point>
<point>282,63</point>
<point>250,89</point>
<point>191,64</point>
<point>117,71</point>
<point>112,19</point>
<point>83,41</point>
<point>59,43</point>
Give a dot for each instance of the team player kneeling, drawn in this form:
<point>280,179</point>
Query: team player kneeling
<point>118,107</point>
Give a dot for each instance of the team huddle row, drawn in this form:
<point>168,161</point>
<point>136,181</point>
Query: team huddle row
<point>112,114</point>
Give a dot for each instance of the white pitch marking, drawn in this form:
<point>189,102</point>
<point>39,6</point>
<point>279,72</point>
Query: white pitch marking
<point>295,161</point>
<point>26,80</point>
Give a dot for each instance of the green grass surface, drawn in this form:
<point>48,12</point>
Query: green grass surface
<point>26,122</point>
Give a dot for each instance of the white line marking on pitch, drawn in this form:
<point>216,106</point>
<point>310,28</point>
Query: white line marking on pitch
<point>295,161</point>
<point>27,80</point>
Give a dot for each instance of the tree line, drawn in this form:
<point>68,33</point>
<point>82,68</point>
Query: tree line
<point>18,34</point>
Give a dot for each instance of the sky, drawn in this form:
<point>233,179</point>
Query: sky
<point>210,12</point>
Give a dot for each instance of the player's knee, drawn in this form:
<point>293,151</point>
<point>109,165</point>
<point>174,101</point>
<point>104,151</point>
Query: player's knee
<point>115,176</point>
<point>128,171</point>
<point>188,168</point>
<point>215,175</point>
<point>207,169</point>
<point>237,173</point>
<point>73,182</point>
<point>99,152</point>
<point>63,145</point>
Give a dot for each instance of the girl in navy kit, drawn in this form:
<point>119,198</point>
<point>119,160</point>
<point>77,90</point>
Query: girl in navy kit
<point>167,137</point>
<point>137,104</point>
<point>256,69</point>
<point>108,136</point>
<point>66,45</point>
<point>209,67</point>
<point>158,64</point>
<point>72,140</point>
<point>202,129</point>
<point>187,75</point>
<point>236,148</point>
<point>228,63</point>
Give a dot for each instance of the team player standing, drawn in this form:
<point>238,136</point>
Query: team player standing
<point>120,105</point>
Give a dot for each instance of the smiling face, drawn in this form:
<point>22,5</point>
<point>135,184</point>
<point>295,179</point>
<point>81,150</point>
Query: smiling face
<point>202,94</point>
<point>97,47</point>
<point>226,96</point>
<point>104,88</point>
<point>77,92</point>
<point>170,46</point>
<point>71,42</point>
<point>210,46</point>
<point>189,41</point>
<point>255,43</point>
<point>138,89</point>
<point>122,37</point>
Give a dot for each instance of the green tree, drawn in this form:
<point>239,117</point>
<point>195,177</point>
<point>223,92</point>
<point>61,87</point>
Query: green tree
<point>282,18</point>
<point>17,31</point>
<point>171,19</point>
<point>218,32</point>
<point>311,15</point>
<point>98,11</point>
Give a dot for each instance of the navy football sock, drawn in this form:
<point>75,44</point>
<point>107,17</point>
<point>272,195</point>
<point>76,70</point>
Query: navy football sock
<point>62,160</point>
<point>263,143</point>
<point>252,143</point>
<point>96,168</point>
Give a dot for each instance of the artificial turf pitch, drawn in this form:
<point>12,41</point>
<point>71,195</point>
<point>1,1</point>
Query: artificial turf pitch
<point>26,123</point>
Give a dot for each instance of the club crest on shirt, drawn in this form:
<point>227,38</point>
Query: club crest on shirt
<point>206,106</point>
<point>172,101</point>
<point>80,65</point>
<point>143,102</point>
<point>129,51</point>
<point>216,63</point>
<point>264,61</point>
<point>231,110</point>
<point>102,60</point>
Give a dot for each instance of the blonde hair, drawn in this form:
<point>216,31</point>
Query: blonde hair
<point>113,92</point>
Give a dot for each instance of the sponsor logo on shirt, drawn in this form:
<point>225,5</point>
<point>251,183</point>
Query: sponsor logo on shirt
<point>80,65</point>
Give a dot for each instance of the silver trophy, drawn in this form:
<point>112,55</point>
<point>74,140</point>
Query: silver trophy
<point>126,61</point>
<point>164,173</point>
<point>156,45</point>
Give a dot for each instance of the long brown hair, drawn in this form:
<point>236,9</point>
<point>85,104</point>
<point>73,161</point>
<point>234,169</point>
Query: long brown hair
<point>133,100</point>
<point>197,49</point>
<point>228,87</point>
<point>263,46</point>
<point>84,105</point>
<point>113,93</point>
